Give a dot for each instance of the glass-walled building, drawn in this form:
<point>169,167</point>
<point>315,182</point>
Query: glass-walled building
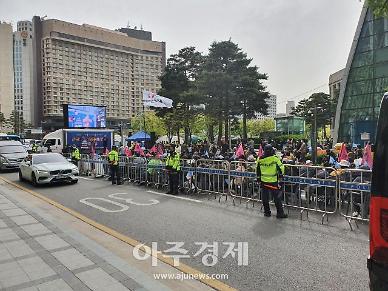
<point>289,125</point>
<point>365,80</point>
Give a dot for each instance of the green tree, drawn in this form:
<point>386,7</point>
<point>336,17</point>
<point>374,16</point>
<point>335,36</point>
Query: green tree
<point>325,110</point>
<point>256,127</point>
<point>2,119</point>
<point>252,96</point>
<point>379,7</point>
<point>16,122</point>
<point>230,85</point>
<point>153,123</point>
<point>178,84</point>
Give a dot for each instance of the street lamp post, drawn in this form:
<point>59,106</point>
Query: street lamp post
<point>314,140</point>
<point>314,135</point>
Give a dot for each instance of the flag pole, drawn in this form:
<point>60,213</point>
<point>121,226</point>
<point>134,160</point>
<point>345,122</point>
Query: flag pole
<point>144,124</point>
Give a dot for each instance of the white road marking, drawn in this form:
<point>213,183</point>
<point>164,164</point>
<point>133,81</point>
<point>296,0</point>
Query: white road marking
<point>174,196</point>
<point>130,200</point>
<point>89,179</point>
<point>86,201</point>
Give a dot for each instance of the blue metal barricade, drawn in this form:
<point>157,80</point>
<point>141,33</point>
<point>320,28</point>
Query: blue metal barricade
<point>323,190</point>
<point>354,194</point>
<point>310,188</point>
<point>187,176</point>
<point>212,177</point>
<point>243,182</point>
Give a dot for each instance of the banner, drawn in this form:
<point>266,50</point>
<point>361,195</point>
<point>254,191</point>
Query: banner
<point>153,100</point>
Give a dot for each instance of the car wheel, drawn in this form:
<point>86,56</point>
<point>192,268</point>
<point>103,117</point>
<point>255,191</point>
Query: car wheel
<point>21,176</point>
<point>74,182</point>
<point>33,179</point>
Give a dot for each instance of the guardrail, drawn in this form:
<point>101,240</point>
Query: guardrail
<point>354,194</point>
<point>323,190</point>
<point>212,177</point>
<point>310,188</point>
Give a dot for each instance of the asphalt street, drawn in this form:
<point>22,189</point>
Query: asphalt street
<point>283,254</point>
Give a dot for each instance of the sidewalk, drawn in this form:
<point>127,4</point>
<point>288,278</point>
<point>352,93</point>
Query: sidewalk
<point>43,248</point>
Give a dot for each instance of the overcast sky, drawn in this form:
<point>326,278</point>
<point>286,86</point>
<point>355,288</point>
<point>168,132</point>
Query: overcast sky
<point>298,43</point>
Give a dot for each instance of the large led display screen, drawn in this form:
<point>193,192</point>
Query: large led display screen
<point>84,116</point>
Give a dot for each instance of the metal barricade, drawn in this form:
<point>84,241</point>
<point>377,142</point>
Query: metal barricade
<point>187,176</point>
<point>156,173</point>
<point>85,165</point>
<point>310,188</point>
<point>212,177</point>
<point>96,166</point>
<point>137,170</point>
<point>316,189</point>
<point>354,194</point>
<point>101,166</point>
<point>243,182</point>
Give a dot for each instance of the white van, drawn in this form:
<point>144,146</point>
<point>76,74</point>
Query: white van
<point>54,140</point>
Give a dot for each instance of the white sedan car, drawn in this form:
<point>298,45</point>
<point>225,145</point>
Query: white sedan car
<point>48,168</point>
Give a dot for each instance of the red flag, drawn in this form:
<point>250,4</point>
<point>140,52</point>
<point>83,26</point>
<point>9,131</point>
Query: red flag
<point>367,158</point>
<point>261,152</point>
<point>240,151</point>
<point>160,151</point>
<point>343,154</point>
<point>139,150</point>
<point>127,151</point>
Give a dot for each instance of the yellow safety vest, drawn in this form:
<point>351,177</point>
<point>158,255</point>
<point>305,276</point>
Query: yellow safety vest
<point>269,169</point>
<point>113,157</point>
<point>174,162</point>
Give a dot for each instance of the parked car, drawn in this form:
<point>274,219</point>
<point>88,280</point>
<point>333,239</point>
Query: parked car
<point>12,153</point>
<point>48,168</point>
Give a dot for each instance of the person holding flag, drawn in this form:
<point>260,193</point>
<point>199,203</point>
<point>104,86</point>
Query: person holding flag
<point>367,158</point>
<point>343,154</point>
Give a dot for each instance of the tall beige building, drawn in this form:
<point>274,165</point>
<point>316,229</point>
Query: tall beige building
<point>25,97</point>
<point>6,69</point>
<point>86,64</point>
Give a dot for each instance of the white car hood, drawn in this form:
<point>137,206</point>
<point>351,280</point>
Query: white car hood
<point>14,156</point>
<point>54,166</point>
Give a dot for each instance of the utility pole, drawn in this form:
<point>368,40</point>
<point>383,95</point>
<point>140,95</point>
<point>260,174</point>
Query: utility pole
<point>314,139</point>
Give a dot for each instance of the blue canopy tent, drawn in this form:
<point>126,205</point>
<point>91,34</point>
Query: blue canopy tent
<point>139,136</point>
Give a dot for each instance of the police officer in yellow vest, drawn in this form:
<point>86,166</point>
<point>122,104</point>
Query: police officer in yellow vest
<point>269,168</point>
<point>113,158</point>
<point>75,155</point>
<point>34,148</point>
<point>173,166</point>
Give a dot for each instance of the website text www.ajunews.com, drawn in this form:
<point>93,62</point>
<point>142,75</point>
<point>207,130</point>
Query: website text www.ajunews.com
<point>183,276</point>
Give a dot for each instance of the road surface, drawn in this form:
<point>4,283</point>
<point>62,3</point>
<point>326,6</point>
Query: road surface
<point>282,254</point>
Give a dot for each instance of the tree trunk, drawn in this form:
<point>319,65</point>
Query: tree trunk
<point>324,132</point>
<point>210,132</point>
<point>219,131</point>
<point>187,135</point>
<point>227,130</point>
<point>169,134</point>
<point>178,137</point>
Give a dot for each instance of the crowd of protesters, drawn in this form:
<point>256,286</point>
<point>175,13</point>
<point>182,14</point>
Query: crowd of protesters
<point>290,152</point>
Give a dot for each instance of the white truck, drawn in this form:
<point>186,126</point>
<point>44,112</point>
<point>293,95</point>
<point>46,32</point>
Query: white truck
<point>84,139</point>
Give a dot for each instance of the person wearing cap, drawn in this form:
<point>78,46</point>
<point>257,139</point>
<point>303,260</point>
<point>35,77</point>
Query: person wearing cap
<point>113,159</point>
<point>269,168</point>
<point>173,166</point>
